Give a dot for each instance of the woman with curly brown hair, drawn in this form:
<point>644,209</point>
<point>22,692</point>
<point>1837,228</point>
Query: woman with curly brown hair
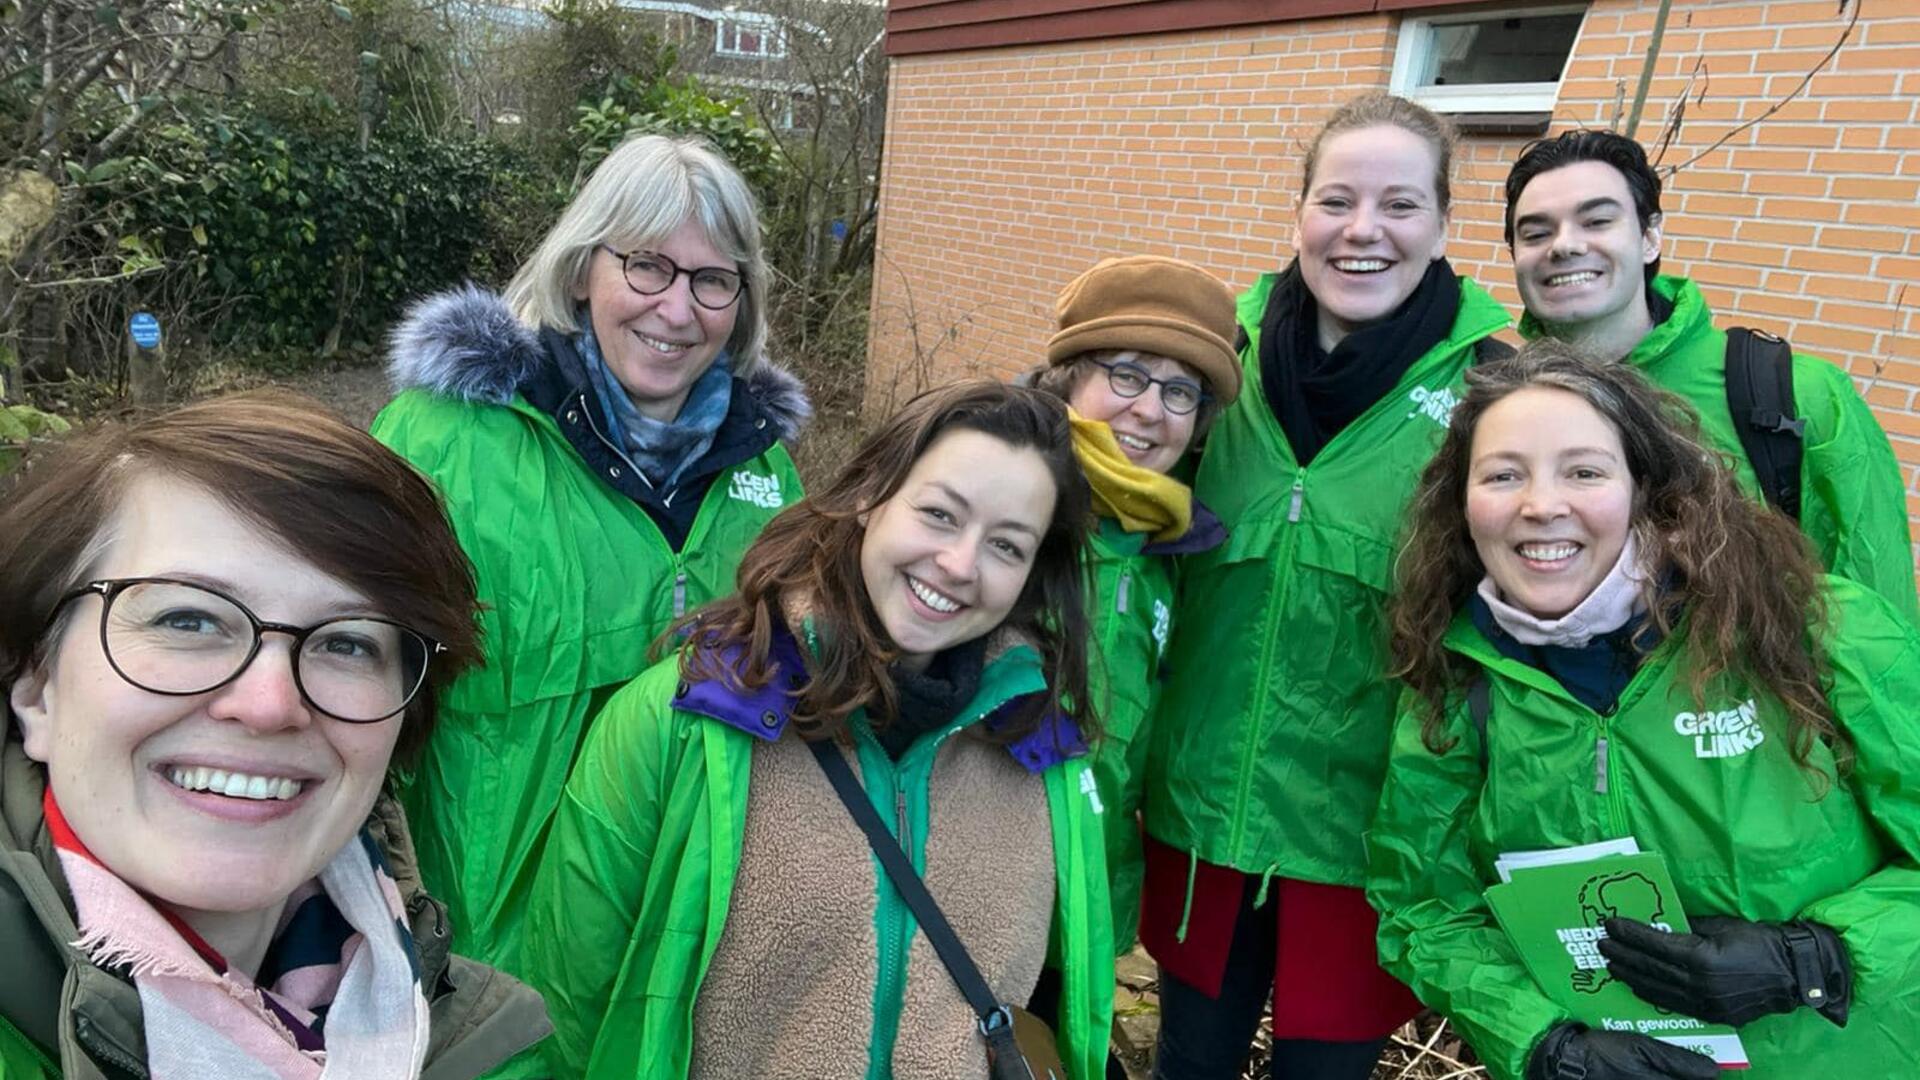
<point>708,907</point>
<point>1656,657</point>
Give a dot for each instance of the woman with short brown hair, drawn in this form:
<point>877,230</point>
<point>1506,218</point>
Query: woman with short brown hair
<point>217,629</point>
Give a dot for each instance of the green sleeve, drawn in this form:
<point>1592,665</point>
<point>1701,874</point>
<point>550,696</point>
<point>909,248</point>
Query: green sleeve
<point>20,1059</point>
<point>1853,503</point>
<point>464,449</point>
<point>1436,932</point>
<point>476,799</point>
<point>1876,681</point>
<point>596,868</point>
<point>1080,944</point>
<point>1119,767</point>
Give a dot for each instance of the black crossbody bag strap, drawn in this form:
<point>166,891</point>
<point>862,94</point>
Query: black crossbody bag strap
<point>996,1023</point>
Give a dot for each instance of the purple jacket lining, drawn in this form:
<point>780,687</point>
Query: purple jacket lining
<point>764,713</point>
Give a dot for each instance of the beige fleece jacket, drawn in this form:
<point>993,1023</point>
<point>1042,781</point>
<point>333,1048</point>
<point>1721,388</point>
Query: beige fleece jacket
<point>789,994</point>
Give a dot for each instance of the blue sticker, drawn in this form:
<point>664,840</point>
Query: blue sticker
<point>145,329</point>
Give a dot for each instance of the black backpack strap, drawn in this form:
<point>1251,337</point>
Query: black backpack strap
<point>996,1021</point>
<point>1760,397</point>
<point>1480,708</point>
<point>1490,349</point>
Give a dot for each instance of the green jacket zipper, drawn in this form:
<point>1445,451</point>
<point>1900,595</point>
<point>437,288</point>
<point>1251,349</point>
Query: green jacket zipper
<point>1284,558</point>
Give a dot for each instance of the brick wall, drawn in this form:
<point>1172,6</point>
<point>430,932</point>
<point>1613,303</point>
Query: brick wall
<point>1008,171</point>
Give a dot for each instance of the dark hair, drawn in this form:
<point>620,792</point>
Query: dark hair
<point>1627,157</point>
<point>1380,109</point>
<point>809,556</point>
<point>1062,380</point>
<point>327,490</point>
<point>1743,576</point>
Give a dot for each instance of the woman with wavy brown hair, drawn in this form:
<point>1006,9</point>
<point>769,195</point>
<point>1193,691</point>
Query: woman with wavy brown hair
<point>709,907</point>
<point>1655,657</point>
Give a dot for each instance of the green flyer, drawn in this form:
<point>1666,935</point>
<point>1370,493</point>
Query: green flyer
<point>1552,912</point>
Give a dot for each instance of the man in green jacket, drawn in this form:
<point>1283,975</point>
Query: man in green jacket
<point>1584,226</point>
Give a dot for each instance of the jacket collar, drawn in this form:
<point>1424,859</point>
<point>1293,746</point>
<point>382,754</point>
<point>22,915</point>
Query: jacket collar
<point>465,343</point>
<point>1206,533</point>
<point>764,713</point>
<point>1689,318</point>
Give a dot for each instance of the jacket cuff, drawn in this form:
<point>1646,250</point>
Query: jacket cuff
<point>1823,977</point>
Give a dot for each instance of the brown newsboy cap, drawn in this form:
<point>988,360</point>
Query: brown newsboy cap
<point>1153,304</point>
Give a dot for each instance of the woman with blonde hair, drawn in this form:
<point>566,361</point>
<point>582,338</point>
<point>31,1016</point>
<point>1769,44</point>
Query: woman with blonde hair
<point>608,436</point>
<point>1271,729</point>
<point>1602,638</point>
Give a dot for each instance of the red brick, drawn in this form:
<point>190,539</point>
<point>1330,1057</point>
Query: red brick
<point>998,161</point>
<point>1850,187</point>
<point>1829,261</point>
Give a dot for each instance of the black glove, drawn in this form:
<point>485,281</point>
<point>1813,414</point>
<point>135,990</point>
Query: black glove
<point>1572,1052</point>
<point>1731,971</point>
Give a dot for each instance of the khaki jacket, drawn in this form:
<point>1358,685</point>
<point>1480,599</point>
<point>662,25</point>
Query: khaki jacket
<point>87,1019</point>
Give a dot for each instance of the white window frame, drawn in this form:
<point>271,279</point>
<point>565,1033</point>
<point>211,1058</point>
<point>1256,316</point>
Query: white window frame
<point>773,38</point>
<point>1416,40</point>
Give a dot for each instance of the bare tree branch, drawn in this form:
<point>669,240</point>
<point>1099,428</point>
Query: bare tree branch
<point>1846,33</point>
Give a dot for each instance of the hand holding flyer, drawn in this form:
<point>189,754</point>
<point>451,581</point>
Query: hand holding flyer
<point>1554,911</point>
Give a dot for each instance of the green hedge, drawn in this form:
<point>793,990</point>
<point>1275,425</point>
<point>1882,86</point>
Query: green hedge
<point>316,237</point>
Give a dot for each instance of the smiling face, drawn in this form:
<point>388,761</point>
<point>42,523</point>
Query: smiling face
<point>945,559</point>
<point>658,346</point>
<point>125,763</point>
<point>1549,498</point>
<point>1149,435</point>
<point>1579,253</point>
<point>1368,226</point>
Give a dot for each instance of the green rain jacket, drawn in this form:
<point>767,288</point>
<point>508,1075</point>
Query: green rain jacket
<point>635,892</point>
<point>1743,829</point>
<point>1275,719</point>
<point>1131,609</point>
<point>1853,502</point>
<point>575,576</point>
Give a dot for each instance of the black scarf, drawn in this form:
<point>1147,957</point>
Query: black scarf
<point>1315,394</point>
<point>930,699</point>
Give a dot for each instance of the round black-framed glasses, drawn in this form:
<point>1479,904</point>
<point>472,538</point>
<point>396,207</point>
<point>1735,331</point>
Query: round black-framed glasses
<point>1128,379</point>
<point>650,273</point>
<point>179,638</point>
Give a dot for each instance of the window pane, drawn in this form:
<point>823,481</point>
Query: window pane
<point>1516,50</point>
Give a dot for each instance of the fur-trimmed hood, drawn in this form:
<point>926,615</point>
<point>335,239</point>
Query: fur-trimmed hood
<point>466,343</point>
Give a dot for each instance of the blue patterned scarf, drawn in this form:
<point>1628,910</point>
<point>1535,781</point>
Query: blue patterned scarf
<point>662,451</point>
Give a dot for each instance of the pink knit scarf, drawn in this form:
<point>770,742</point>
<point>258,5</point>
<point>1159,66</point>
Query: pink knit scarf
<point>204,1019</point>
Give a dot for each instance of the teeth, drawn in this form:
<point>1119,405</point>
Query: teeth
<point>1578,277</point>
<point>1360,266</point>
<point>1133,441</point>
<point>659,345</point>
<point>1548,552</point>
<point>937,601</point>
<point>233,785</point>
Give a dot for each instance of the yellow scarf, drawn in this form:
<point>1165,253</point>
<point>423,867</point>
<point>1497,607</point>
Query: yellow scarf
<point>1140,499</point>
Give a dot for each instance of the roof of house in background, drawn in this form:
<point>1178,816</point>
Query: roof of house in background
<point>939,26</point>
